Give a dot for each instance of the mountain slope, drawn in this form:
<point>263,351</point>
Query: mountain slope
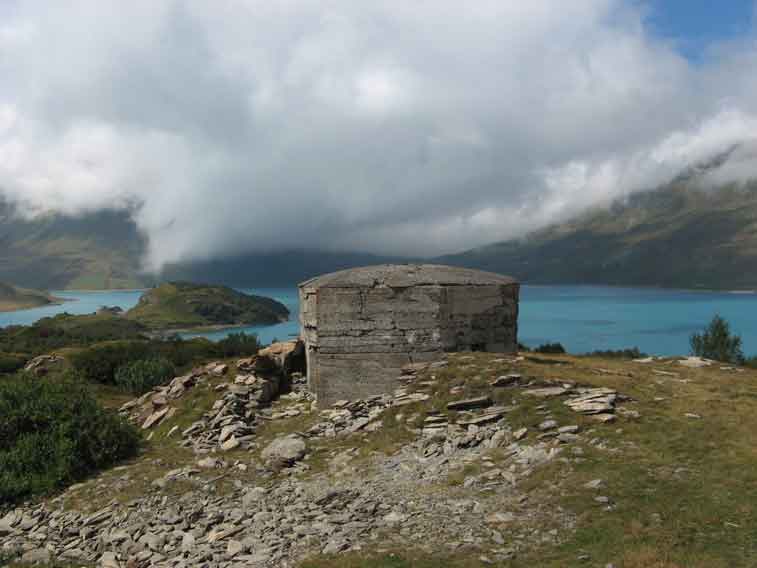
<point>96,251</point>
<point>103,251</point>
<point>676,236</point>
<point>13,298</point>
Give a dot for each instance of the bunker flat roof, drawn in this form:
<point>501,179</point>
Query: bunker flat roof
<point>405,275</point>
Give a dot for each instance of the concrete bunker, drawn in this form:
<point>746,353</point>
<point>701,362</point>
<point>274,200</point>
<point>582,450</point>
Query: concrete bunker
<point>360,326</point>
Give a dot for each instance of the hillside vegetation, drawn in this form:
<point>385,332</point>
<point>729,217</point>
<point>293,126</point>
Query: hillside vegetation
<point>176,305</point>
<point>677,236</point>
<point>13,298</point>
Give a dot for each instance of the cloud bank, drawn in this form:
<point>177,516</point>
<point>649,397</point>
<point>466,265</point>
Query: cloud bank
<point>392,127</point>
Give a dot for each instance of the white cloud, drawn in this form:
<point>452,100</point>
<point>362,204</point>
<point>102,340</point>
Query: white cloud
<point>415,128</point>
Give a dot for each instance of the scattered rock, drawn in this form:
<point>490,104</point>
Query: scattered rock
<point>285,450</point>
<point>695,362</point>
<point>155,418</point>
<point>43,364</point>
<point>500,518</point>
<point>604,418</point>
<point>547,425</point>
<point>593,401</point>
<point>36,556</point>
<point>547,392</point>
<point>506,380</point>
<point>594,484</point>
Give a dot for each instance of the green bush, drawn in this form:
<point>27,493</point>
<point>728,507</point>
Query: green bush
<point>632,353</point>
<point>65,330</point>
<point>10,363</point>
<point>553,348</point>
<point>184,352</point>
<point>144,375</point>
<point>238,345</point>
<point>717,342</point>
<point>99,362</point>
<point>53,433</point>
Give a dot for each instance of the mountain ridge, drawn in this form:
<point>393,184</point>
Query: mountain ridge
<point>677,236</point>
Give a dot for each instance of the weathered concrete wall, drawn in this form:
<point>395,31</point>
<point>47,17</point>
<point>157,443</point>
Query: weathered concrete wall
<point>358,334</point>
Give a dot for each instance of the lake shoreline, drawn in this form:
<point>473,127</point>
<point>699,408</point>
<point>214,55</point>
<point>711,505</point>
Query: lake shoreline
<point>584,318</point>
<point>54,301</point>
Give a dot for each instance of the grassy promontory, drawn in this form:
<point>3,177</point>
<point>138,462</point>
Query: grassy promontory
<point>180,305</point>
<point>13,298</point>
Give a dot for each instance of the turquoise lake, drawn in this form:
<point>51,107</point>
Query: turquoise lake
<point>582,318</point>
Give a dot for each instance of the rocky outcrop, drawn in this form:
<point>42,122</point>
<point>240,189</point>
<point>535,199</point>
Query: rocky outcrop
<point>43,364</point>
<point>230,424</point>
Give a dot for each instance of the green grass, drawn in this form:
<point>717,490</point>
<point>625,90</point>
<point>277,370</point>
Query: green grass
<point>398,559</point>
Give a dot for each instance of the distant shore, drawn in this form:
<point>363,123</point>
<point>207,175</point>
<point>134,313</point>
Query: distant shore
<point>7,307</point>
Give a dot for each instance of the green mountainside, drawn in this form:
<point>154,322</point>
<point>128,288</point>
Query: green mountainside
<point>676,236</point>
<point>14,298</point>
<point>53,252</point>
<point>182,305</point>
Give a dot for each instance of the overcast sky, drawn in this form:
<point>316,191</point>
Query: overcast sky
<point>393,127</point>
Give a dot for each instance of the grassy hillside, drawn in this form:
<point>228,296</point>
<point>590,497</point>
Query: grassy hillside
<point>182,304</point>
<point>14,298</point>
<point>670,483</point>
<point>676,236</point>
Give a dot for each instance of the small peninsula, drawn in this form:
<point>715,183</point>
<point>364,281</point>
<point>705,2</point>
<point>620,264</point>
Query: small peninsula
<point>185,305</point>
<point>13,298</point>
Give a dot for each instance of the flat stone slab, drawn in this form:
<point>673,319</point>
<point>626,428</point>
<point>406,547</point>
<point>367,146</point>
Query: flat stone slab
<point>469,403</point>
<point>155,417</point>
<point>491,415</point>
<point>547,392</point>
<point>506,380</point>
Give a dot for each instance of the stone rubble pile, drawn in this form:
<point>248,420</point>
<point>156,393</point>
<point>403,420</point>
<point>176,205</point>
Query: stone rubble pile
<point>153,407</point>
<point>230,424</point>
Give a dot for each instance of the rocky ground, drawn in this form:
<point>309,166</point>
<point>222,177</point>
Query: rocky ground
<point>470,457</point>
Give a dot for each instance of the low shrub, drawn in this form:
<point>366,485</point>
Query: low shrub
<point>99,362</point>
<point>553,348</point>
<point>53,433</point>
<point>10,363</point>
<point>238,345</point>
<point>141,376</point>
<point>632,353</point>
